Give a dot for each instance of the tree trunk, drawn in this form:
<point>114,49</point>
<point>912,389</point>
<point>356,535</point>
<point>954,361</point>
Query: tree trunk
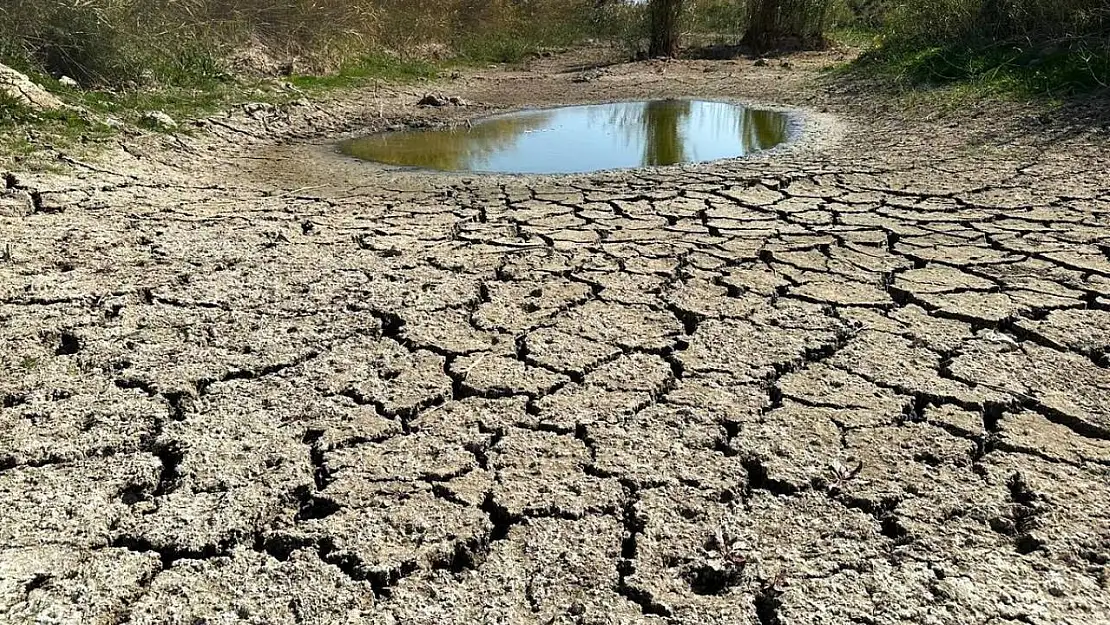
<point>664,27</point>
<point>791,24</point>
<point>764,29</point>
<point>996,15</point>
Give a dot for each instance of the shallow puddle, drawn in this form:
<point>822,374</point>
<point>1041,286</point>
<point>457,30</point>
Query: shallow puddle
<point>579,139</point>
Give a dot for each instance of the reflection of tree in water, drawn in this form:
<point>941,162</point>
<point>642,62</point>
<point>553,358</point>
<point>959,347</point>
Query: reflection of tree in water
<point>662,123</point>
<point>755,130</point>
<point>762,129</point>
<point>454,149</point>
<point>664,126</point>
<point>662,132</point>
<point>657,123</point>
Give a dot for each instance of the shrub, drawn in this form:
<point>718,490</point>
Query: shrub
<point>787,23</point>
<point>126,42</point>
<point>1035,46</point>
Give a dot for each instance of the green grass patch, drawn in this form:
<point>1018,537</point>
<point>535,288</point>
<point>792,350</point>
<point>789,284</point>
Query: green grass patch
<point>1026,49</point>
<point>370,68</point>
<point>505,47</point>
<point>64,127</point>
<point>193,89</point>
<point>853,36</point>
<point>947,77</point>
<point>20,150</point>
<point>178,102</point>
<point>1009,69</point>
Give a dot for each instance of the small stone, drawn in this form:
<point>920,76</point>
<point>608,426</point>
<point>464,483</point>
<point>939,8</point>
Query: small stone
<point>66,81</point>
<point>158,119</point>
<point>586,77</point>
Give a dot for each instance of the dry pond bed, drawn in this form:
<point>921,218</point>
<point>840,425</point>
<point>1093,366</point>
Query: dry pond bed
<point>859,379</point>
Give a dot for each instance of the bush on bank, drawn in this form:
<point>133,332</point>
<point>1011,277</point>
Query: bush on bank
<point>1028,47</point>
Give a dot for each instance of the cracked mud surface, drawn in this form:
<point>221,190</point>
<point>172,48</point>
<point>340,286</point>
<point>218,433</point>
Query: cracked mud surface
<point>863,380</point>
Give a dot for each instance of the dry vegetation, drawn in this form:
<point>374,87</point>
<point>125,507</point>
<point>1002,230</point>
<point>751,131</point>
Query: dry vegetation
<point>1033,45</point>
<point>126,42</point>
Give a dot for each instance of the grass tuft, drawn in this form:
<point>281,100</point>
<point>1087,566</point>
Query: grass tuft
<point>1020,48</point>
<point>1014,68</point>
<point>368,68</point>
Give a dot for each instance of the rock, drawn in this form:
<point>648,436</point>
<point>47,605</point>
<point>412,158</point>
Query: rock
<point>15,203</point>
<point>158,119</point>
<point>432,99</point>
<point>259,110</point>
<point>288,68</point>
<point>66,81</point>
<point>25,92</point>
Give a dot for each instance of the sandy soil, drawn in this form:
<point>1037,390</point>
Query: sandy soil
<point>862,379</point>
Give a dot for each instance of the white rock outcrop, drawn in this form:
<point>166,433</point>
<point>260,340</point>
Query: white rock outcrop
<point>18,86</point>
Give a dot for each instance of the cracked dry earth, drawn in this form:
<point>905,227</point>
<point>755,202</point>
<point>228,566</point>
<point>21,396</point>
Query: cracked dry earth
<point>860,380</point>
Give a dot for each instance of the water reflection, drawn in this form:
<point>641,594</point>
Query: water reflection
<point>583,138</point>
<point>456,149</point>
<point>662,127</point>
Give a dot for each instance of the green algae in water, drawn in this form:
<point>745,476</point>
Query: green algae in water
<point>580,139</point>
